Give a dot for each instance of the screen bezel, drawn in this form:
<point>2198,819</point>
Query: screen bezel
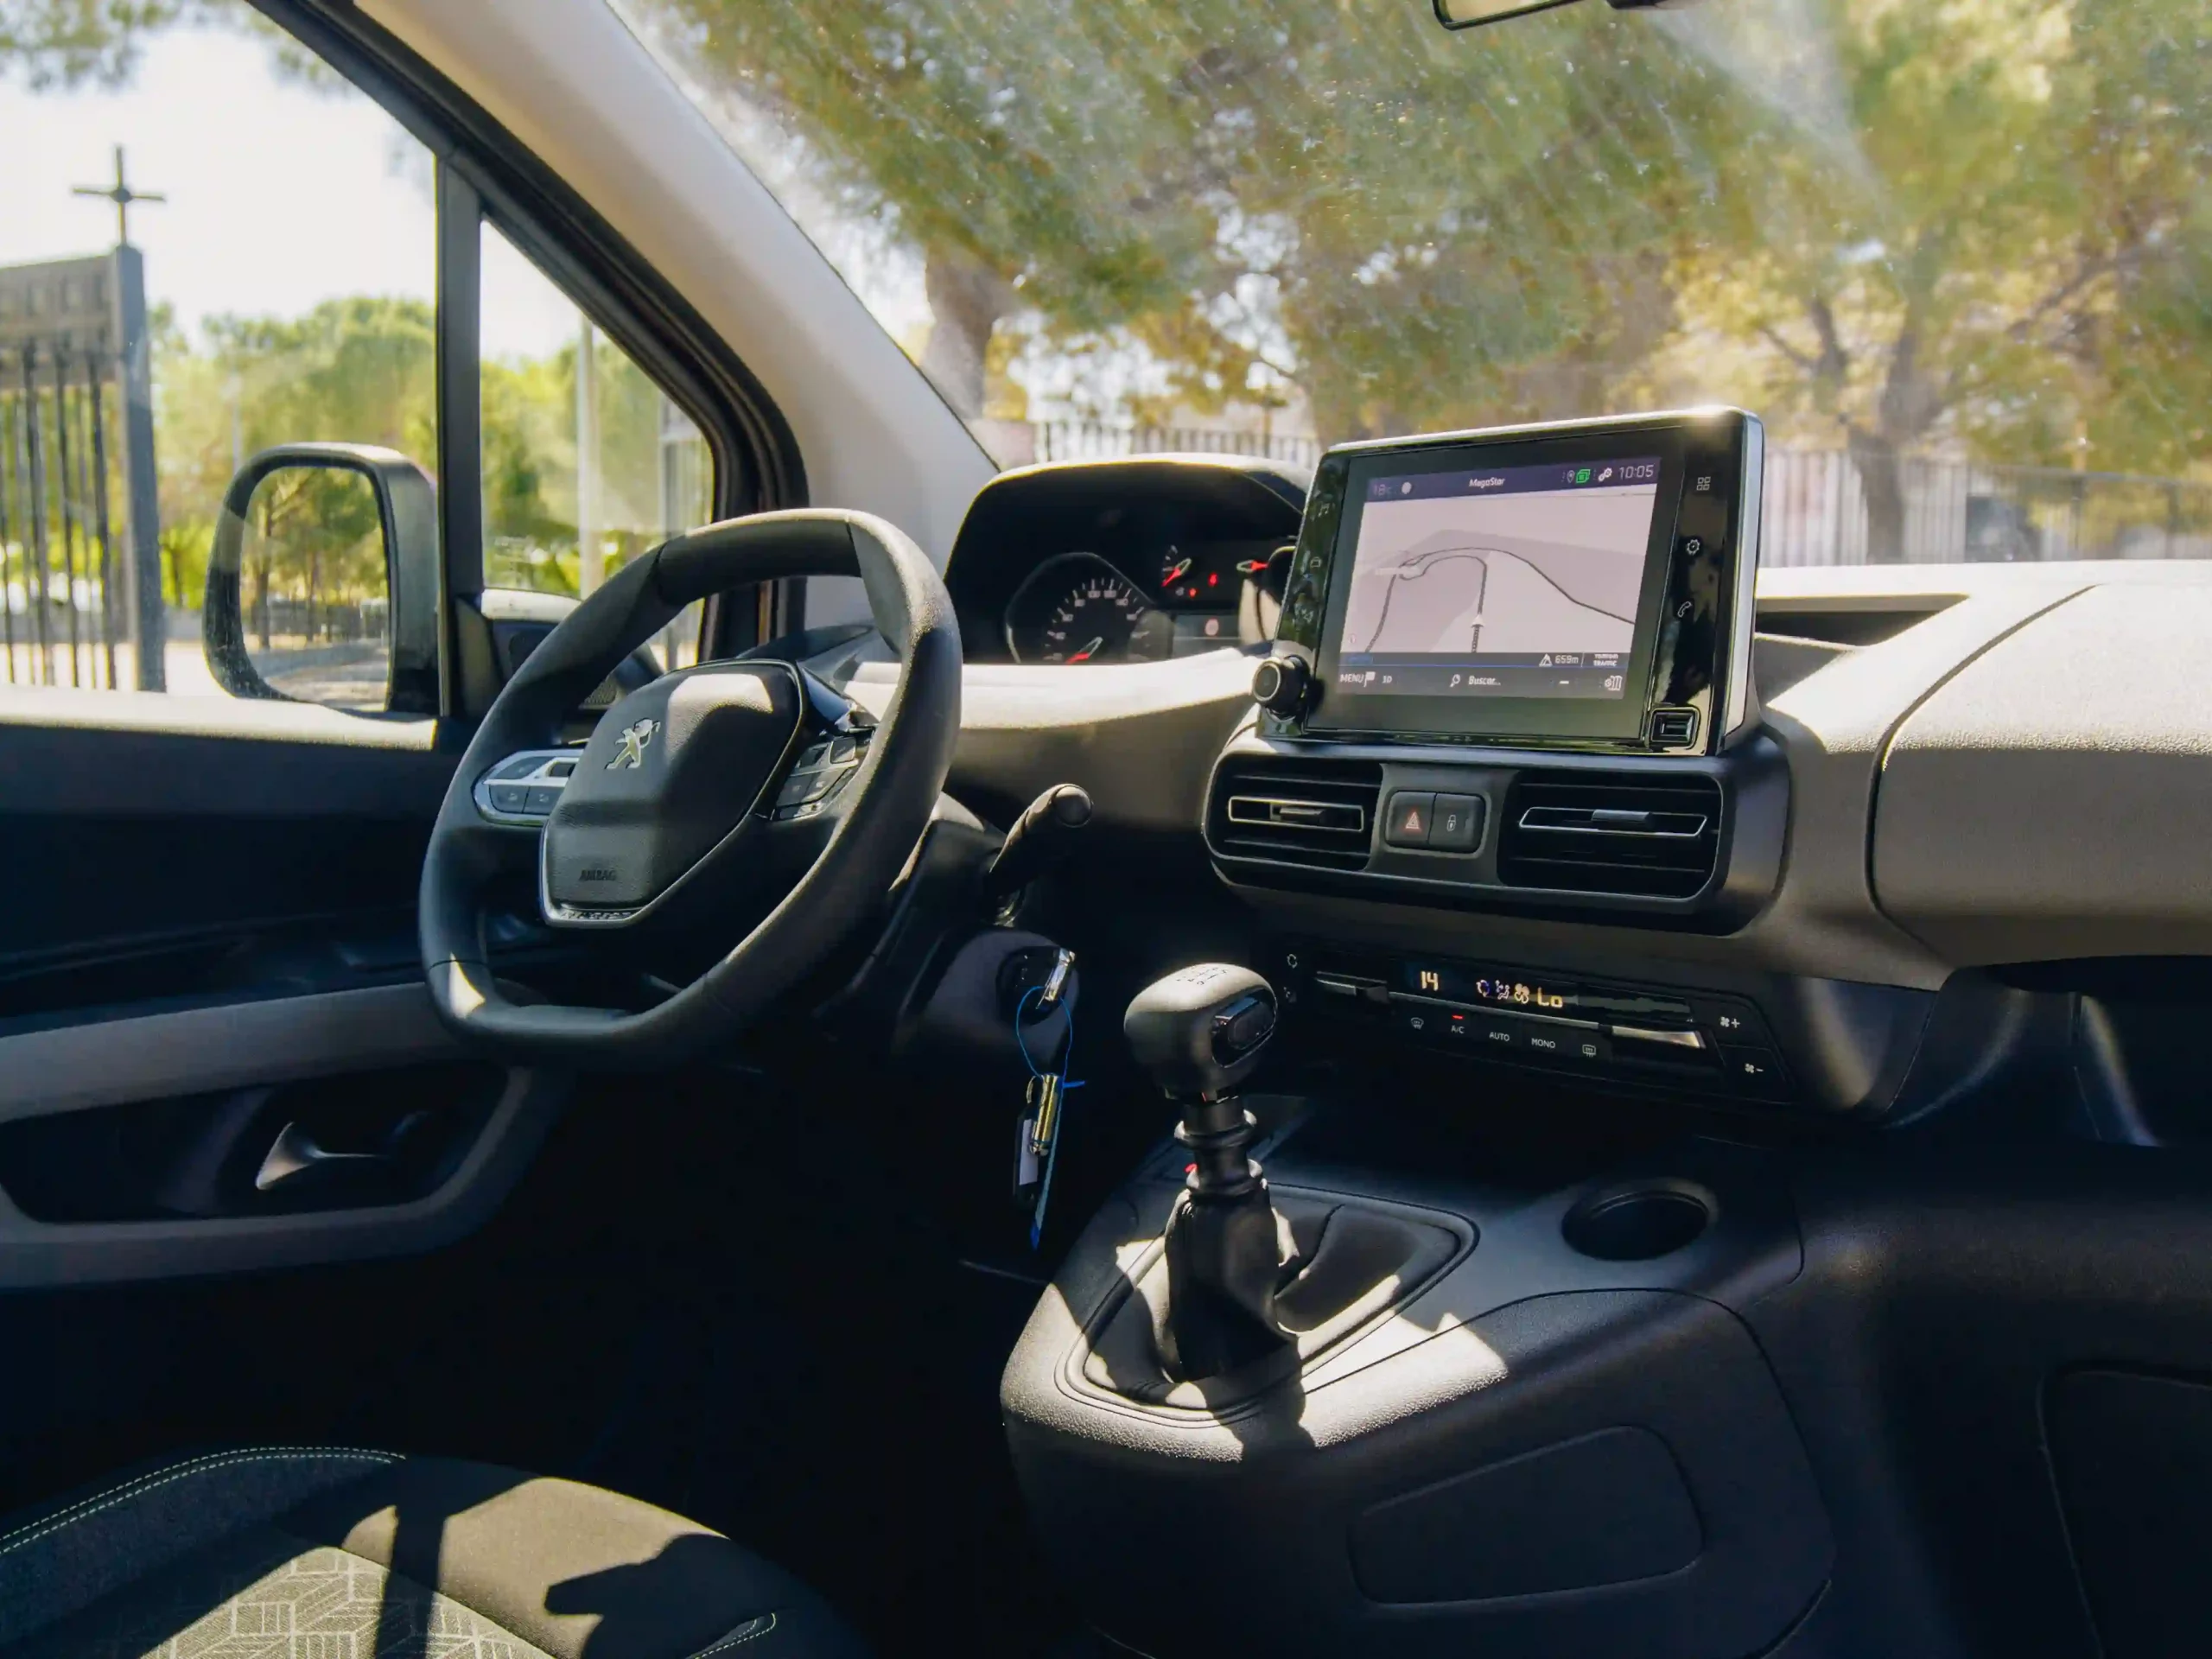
<point>1618,719</point>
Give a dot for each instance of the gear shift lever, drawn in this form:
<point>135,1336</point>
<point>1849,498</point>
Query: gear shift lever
<point>1199,1032</point>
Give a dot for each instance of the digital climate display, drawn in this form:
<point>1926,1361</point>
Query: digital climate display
<point>1521,992</point>
<point>1452,982</point>
<point>1508,582</point>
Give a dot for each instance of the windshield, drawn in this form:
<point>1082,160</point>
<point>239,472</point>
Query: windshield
<point>1957,253</point>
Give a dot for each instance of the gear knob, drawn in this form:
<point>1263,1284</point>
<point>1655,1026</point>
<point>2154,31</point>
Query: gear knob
<point>1199,1031</point>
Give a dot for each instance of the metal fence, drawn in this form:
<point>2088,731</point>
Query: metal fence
<point>1813,512</point>
<point>61,613</point>
<point>1097,440</point>
<point>1815,508</point>
<point>279,621</point>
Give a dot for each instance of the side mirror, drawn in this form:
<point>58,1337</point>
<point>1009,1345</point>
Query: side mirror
<point>323,581</point>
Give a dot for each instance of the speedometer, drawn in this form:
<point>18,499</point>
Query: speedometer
<point>1077,608</point>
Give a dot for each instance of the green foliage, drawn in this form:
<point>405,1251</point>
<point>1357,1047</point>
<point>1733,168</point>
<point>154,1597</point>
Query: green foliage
<point>361,370</point>
<point>57,45</point>
<point>530,467</point>
<point>63,43</point>
<point>1890,222</point>
<point>358,370</point>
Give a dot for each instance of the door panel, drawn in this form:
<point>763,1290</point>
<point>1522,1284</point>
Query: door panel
<point>173,821</point>
<point>218,947</point>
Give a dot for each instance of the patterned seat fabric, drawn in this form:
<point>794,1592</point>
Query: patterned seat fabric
<point>344,1553</point>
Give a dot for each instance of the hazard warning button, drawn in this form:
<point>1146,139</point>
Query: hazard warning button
<point>1407,825</point>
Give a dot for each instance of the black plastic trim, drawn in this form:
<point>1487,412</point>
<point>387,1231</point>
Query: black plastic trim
<point>1754,778</point>
<point>459,378</point>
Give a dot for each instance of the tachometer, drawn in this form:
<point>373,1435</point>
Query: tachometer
<point>1077,608</point>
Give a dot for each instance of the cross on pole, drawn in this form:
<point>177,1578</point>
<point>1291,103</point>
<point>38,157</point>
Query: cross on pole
<point>121,195</point>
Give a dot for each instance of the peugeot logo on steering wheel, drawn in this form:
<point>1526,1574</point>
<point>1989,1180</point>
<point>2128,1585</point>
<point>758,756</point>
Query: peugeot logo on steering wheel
<point>634,739</point>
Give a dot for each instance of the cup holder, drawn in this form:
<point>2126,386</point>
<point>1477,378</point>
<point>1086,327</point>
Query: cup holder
<point>1638,1223</point>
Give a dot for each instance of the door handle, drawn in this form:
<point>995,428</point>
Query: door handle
<point>296,1153</point>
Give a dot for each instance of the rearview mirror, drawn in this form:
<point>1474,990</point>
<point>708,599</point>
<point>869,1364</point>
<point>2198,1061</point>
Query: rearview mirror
<point>322,581</point>
<point>1465,14</point>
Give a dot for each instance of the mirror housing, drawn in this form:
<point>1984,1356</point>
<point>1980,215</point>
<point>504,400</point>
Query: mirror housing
<point>407,514</point>
<point>1469,14</point>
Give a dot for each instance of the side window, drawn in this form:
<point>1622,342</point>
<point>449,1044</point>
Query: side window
<point>587,462</point>
<point>188,286</point>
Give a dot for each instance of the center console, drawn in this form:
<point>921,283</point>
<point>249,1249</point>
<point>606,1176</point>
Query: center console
<point>1513,678</point>
<point>1514,668</point>
<point>1303,1387</point>
<point>1370,1399</point>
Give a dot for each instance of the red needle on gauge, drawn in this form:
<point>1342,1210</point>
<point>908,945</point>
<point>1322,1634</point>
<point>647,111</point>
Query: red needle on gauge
<point>1083,656</point>
<point>1175,574</point>
<point>1251,567</point>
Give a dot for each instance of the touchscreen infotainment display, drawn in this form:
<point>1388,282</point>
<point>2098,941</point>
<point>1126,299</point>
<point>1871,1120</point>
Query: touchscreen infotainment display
<point>1572,584</point>
<point>1504,581</point>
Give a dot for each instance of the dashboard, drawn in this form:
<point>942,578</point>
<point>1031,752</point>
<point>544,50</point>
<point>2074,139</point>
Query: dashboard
<point>1134,560</point>
<point>1937,788</point>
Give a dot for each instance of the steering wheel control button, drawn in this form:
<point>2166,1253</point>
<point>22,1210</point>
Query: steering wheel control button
<point>804,786</point>
<point>1457,825</point>
<point>543,798</point>
<point>511,799</point>
<point>843,751</point>
<point>815,756</point>
<point>1408,823</point>
<point>807,795</point>
<point>521,767</point>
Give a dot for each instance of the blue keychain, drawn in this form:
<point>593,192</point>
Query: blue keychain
<point>1044,1099</point>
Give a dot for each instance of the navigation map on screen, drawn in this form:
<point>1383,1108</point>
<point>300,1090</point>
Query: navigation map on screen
<point>1514,582</point>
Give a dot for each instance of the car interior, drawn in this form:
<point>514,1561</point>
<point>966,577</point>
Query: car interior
<point>1438,1043</point>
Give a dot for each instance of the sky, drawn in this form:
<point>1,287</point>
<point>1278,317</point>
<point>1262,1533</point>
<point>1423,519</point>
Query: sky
<point>279,195</point>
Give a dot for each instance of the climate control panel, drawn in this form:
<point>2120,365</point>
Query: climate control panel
<point>1710,1043</point>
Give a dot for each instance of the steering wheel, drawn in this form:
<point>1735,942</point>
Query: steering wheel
<point>720,782</point>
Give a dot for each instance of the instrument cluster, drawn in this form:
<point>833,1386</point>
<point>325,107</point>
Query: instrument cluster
<point>1134,560</point>
<point>1079,606</point>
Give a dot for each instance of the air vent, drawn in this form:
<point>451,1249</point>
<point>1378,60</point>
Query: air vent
<point>1320,813</point>
<point>1631,834</point>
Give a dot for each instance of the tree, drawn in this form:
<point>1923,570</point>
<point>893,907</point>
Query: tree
<point>1232,185</point>
<point>1895,222</point>
<point>355,370</point>
<point>2012,253</point>
<point>530,460</point>
<point>54,43</point>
